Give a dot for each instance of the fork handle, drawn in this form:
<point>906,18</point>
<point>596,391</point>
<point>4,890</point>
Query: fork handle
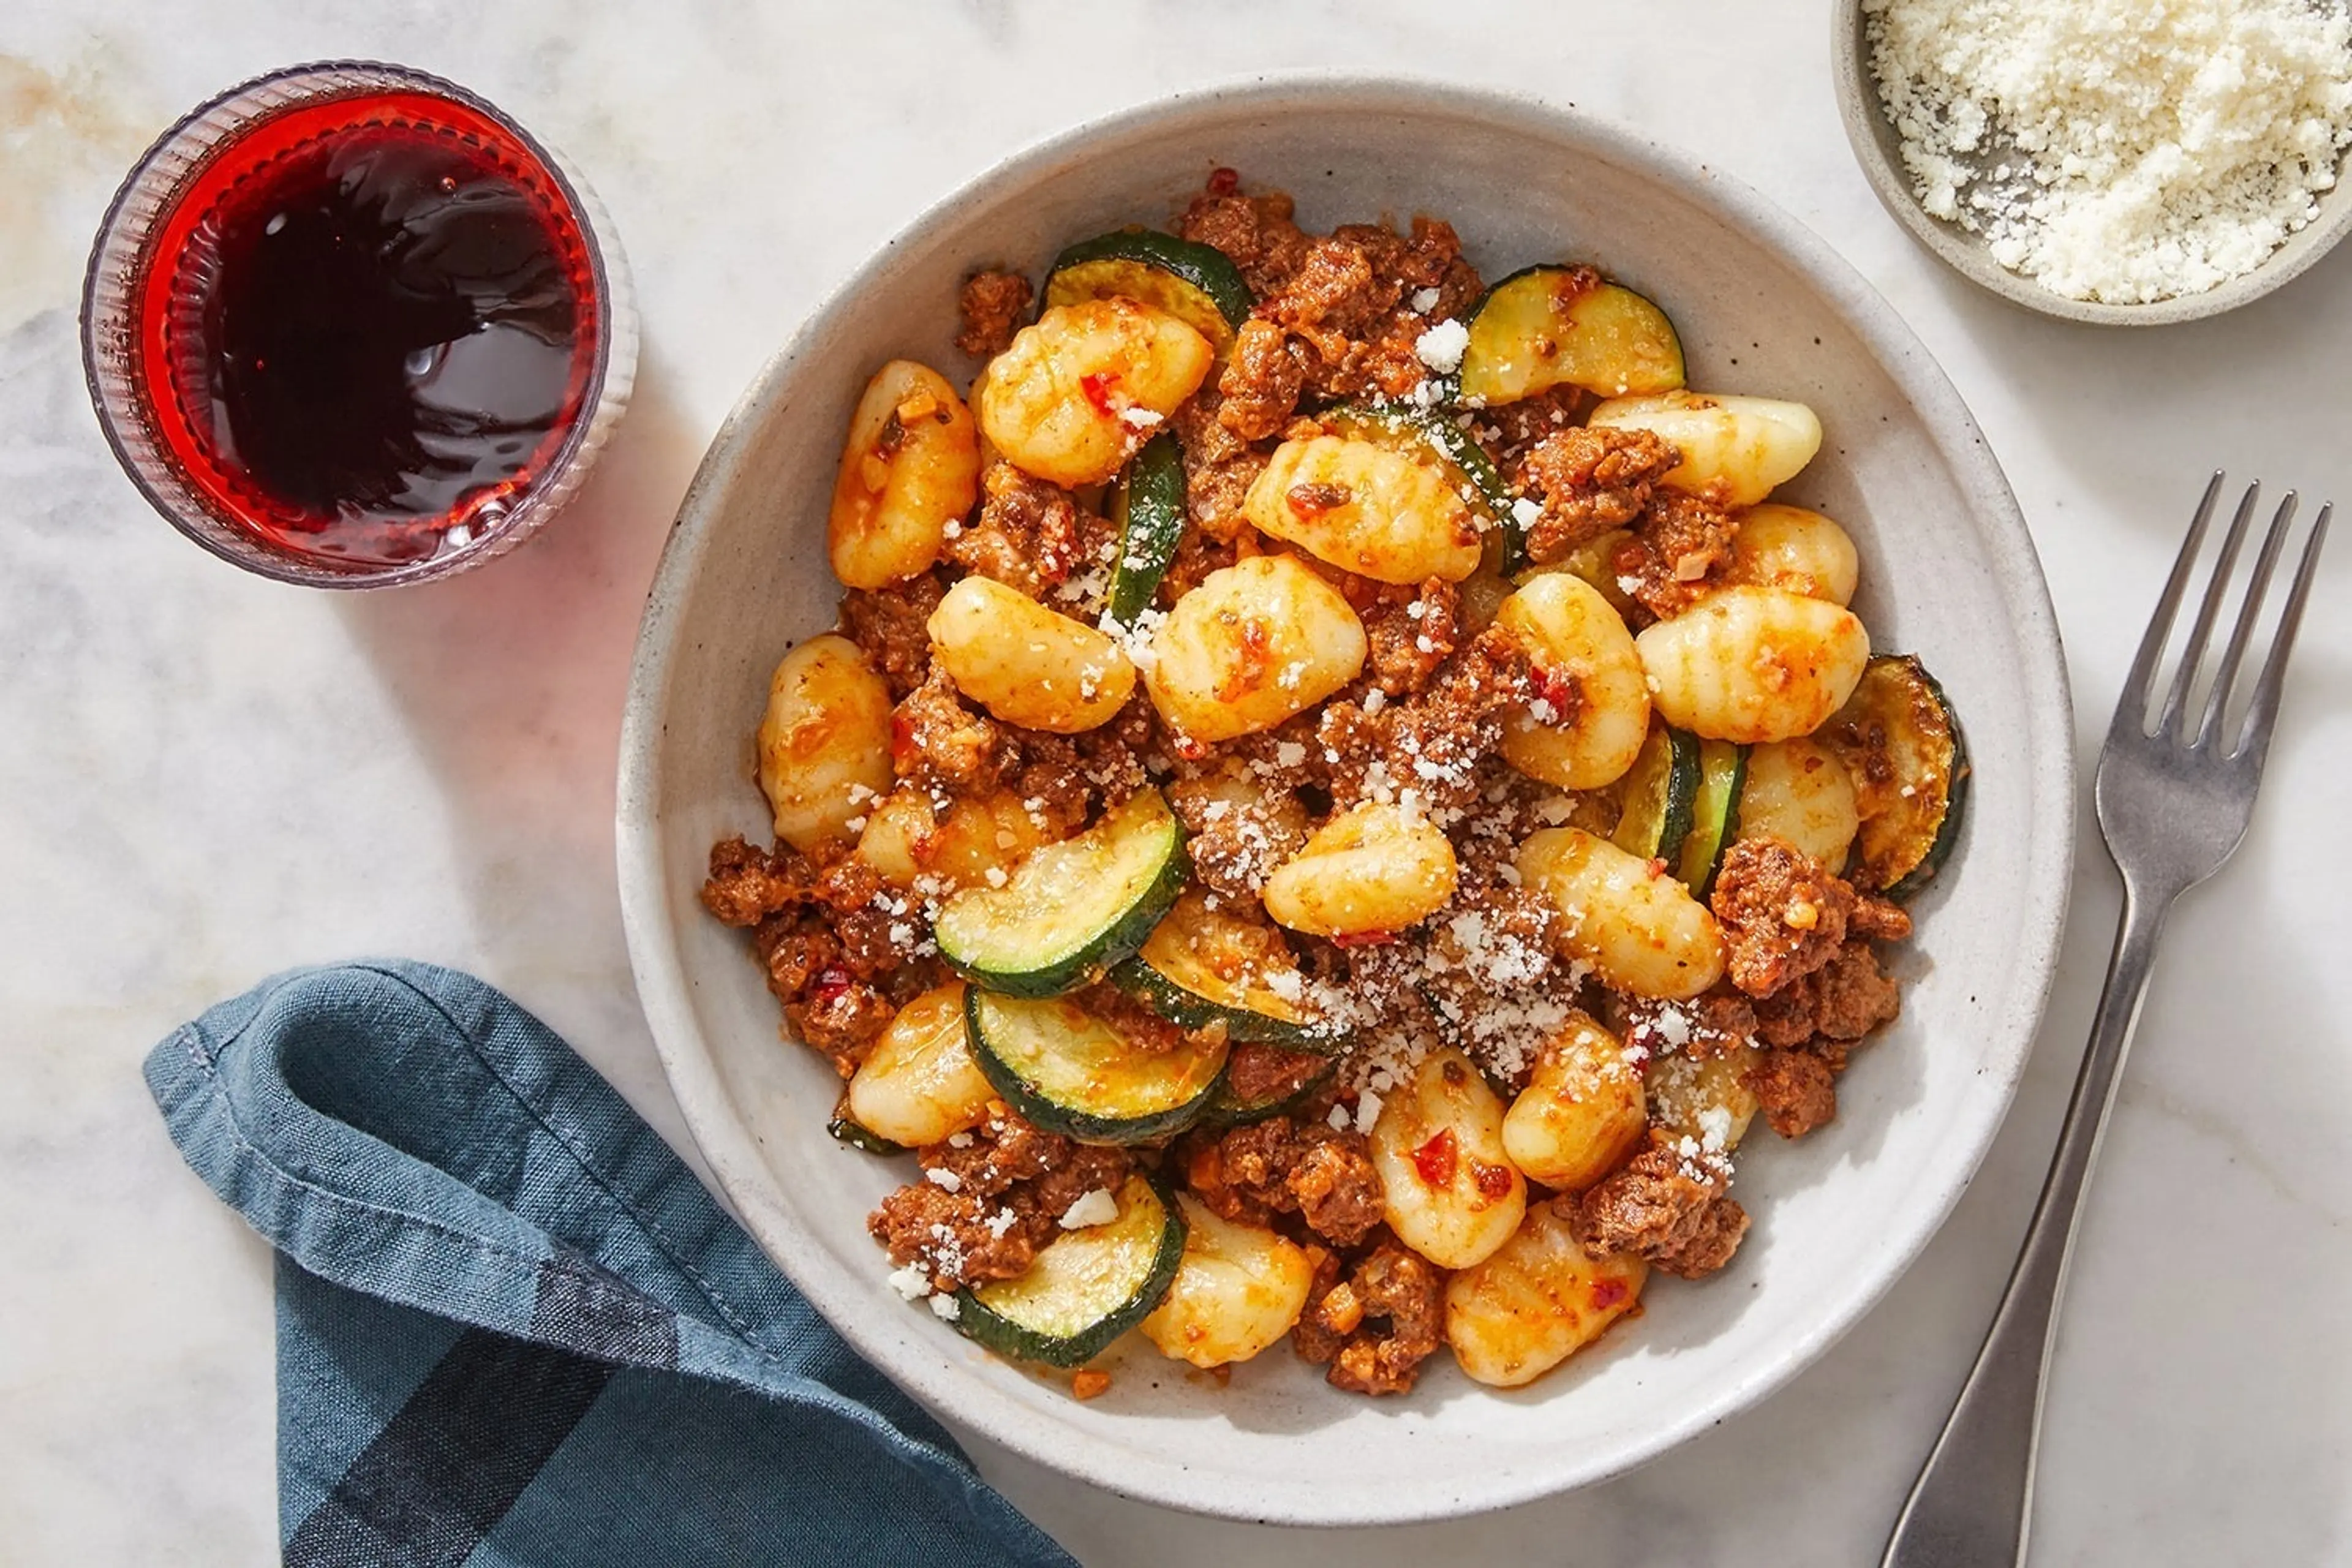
<point>1972,1502</point>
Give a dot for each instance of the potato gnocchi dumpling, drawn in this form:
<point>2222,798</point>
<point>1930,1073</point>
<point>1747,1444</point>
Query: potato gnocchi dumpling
<point>919,1084</point>
<point>1591,709</point>
<point>909,841</point>
<point>1736,449</point>
<point>1536,1301</point>
<point>1754,665</point>
<point>1449,1191</point>
<point>1026,664</point>
<point>912,467</point>
<point>1375,869</point>
<point>1366,509</point>
<point>1639,928</point>
<point>1787,547</point>
<point>1238,1289</point>
<point>1581,1112</point>
<point>823,742</point>
<point>1800,793</point>
<point>1702,1097</point>
<point>1083,385</point>
<point>1256,642</point>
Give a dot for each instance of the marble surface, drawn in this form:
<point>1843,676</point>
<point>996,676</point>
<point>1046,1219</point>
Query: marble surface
<point>207,777</point>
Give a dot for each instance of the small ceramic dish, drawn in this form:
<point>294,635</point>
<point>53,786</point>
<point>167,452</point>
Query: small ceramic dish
<point>1879,150</point>
<point>1950,574</point>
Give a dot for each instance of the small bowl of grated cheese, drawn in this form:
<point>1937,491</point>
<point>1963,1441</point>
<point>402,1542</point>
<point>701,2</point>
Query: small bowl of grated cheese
<point>2118,161</point>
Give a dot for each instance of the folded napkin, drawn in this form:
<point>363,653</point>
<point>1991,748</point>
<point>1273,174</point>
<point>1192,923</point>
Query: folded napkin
<point>512,1329</point>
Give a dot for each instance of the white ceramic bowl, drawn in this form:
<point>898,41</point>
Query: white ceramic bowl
<point>1948,572</point>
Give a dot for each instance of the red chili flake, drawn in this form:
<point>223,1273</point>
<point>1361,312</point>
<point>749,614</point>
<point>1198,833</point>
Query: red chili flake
<point>1224,182</point>
<point>1364,939</point>
<point>831,982</point>
<point>1558,687</point>
<point>1493,1181</point>
<point>1607,1293</point>
<point>1435,1158</point>
<point>1097,386</point>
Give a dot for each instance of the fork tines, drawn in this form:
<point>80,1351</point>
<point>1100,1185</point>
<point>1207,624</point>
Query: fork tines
<point>2253,736</point>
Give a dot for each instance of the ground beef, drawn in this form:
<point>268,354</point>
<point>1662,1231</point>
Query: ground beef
<point>794,946</point>
<point>747,885</point>
<point>1665,1207</point>
<point>890,628</point>
<point>1713,1025</point>
<point>994,1203</point>
<point>1323,1176</point>
<point>1795,1089</point>
<point>1783,914</point>
<point>1234,844</point>
<point>1348,300</point>
<point>1197,554</point>
<point>1134,1022</point>
<point>1255,232</point>
<point>993,304</point>
<point>839,1016</point>
<point>1588,482</point>
<point>937,741</point>
<point>1412,632</point>
<point>1054,782</point>
<point>1670,563</point>
<point>1030,535</point>
<point>1431,744</point>
<point>1256,1074</point>
<point>1843,1000</point>
<point>1262,381</point>
<point>1375,1327</point>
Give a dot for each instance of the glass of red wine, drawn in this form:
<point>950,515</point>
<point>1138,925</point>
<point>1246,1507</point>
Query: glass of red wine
<point>347,325</point>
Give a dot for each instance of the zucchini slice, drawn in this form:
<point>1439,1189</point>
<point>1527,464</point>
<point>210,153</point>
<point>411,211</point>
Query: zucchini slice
<point>1306,1072</point>
<point>1548,326</point>
<point>1197,284</point>
<point>1899,738</point>
<point>1071,909</point>
<point>1659,795</point>
<point>1148,507</point>
<point>848,1129</point>
<point>1085,1288</point>
<point>1201,966</point>
<point>1715,813</point>
<point>1421,434</point>
<point>1069,1072</point>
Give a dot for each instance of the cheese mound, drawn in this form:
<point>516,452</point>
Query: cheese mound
<point>2122,151</point>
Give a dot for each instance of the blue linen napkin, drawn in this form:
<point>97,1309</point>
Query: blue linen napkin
<point>513,1331</point>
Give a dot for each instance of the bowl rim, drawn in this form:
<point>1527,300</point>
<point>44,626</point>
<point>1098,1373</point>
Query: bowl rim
<point>1868,131</point>
<point>731,1148</point>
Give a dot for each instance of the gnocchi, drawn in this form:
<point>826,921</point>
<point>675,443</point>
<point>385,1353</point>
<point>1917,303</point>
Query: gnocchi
<point>1256,642</point>
<point>1754,665</point>
<point>1581,1112</point>
<point>1377,868</point>
<point>1702,1097</point>
<point>823,742</point>
<point>1735,448</point>
<point>1084,385</point>
<point>919,1084</point>
<point>1787,547</point>
<point>1366,509</point>
<point>1537,1300</point>
<point>1639,928</point>
<point>1595,561</point>
<point>1800,793</point>
<point>1591,713</point>
<point>1238,1289</point>
<point>1448,1190</point>
<point>912,467</point>
<point>910,843</point>
<point>1026,664</point>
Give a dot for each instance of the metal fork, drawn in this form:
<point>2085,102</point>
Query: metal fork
<point>2174,805</point>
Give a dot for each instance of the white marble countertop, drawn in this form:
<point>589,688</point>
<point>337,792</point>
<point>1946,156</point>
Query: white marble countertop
<point>207,777</point>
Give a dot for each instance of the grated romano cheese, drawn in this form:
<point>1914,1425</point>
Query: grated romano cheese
<point>2121,151</point>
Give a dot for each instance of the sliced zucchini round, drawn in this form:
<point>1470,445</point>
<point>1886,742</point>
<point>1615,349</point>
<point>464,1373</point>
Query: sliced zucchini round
<point>1197,284</point>
<point>1550,326</point>
<point>1071,909</point>
<point>1085,1288</point>
<point>1659,794</point>
<point>1420,433</point>
<point>848,1129</point>
<point>1202,965</point>
<point>1307,1073</point>
<point>1148,507</point>
<point>1715,815</point>
<point>1899,738</point>
<point>1069,1072</point>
